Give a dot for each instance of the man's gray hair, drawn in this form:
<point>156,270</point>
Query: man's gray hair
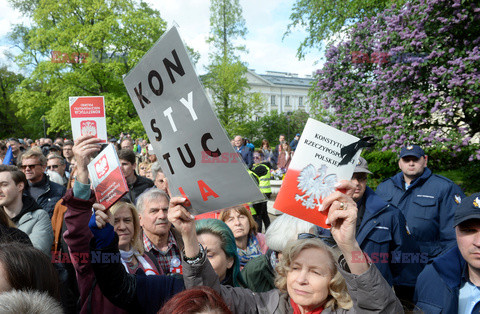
<point>56,156</point>
<point>156,168</point>
<point>285,228</point>
<point>32,301</point>
<point>149,196</point>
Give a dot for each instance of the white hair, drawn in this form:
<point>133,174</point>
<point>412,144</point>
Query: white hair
<point>156,168</point>
<point>285,228</point>
<point>28,302</point>
<point>148,196</point>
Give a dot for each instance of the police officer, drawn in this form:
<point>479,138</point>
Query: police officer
<point>427,200</point>
<point>450,284</point>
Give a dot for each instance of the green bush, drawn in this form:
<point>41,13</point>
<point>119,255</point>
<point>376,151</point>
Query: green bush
<point>382,165</point>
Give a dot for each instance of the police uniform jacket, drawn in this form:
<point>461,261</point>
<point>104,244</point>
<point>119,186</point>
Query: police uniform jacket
<point>438,285</point>
<point>428,205</point>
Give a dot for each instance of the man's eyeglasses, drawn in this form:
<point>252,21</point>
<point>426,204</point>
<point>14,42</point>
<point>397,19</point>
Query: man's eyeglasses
<point>52,167</point>
<point>328,240</point>
<point>29,166</point>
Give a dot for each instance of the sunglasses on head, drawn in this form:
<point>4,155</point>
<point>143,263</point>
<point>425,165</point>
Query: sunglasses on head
<point>328,240</point>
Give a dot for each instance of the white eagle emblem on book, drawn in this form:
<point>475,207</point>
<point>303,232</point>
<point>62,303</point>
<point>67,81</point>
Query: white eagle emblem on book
<point>315,185</point>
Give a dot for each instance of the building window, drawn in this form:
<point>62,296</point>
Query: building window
<point>287,100</point>
<point>300,101</point>
<point>272,100</point>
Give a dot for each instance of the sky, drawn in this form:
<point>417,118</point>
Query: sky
<point>266,22</point>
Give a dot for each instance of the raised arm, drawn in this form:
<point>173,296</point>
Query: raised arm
<point>370,292</point>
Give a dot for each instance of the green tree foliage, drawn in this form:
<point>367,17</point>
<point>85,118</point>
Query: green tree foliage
<point>8,109</point>
<point>226,78</point>
<point>226,26</point>
<point>273,124</point>
<point>323,19</point>
<point>81,48</point>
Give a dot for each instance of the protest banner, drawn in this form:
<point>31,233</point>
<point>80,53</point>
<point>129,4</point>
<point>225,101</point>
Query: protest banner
<point>87,115</point>
<point>314,171</point>
<point>191,145</point>
<point>107,177</point>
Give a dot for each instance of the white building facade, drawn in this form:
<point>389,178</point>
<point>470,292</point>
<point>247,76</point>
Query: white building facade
<point>283,92</point>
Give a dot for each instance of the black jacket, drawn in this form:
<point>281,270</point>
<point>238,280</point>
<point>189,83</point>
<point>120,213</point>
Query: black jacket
<point>48,199</point>
<point>138,187</point>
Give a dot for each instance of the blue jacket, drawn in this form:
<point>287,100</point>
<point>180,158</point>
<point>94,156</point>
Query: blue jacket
<point>246,154</point>
<point>438,284</point>
<point>428,205</point>
<point>50,197</point>
<point>383,236</point>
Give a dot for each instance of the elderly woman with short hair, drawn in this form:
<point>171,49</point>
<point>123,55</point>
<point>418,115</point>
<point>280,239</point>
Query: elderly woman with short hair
<point>259,273</point>
<point>309,281</point>
<point>250,243</point>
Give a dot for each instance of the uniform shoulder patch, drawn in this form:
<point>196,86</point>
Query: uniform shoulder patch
<point>458,199</point>
<point>476,202</point>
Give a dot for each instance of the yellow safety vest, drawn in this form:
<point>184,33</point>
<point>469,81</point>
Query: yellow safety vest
<point>264,181</point>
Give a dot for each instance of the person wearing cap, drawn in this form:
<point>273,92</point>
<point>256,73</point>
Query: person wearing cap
<point>427,200</point>
<point>383,235</point>
<point>450,284</point>
<point>294,142</point>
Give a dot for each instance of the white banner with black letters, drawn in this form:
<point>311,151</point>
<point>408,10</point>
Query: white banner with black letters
<point>191,145</point>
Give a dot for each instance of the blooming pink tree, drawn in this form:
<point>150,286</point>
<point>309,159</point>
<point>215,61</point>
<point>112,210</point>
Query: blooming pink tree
<point>409,74</point>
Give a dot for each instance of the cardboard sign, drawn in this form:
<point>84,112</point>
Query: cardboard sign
<point>314,171</point>
<point>191,145</point>
<point>87,115</point>
<point>107,177</point>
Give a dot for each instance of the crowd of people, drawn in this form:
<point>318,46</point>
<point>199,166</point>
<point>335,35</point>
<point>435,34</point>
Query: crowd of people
<point>411,245</point>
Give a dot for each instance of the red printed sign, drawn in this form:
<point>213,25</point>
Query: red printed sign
<point>87,114</point>
<point>88,107</point>
<point>107,178</point>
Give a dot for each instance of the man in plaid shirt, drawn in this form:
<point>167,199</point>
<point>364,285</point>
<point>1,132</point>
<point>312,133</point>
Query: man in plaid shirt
<point>159,238</point>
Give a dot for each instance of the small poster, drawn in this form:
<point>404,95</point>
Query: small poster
<point>107,177</point>
<point>87,115</point>
<point>314,171</point>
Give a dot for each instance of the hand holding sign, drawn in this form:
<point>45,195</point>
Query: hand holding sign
<point>179,216</point>
<point>342,214</point>
<point>102,216</point>
<point>184,222</point>
<point>84,147</point>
